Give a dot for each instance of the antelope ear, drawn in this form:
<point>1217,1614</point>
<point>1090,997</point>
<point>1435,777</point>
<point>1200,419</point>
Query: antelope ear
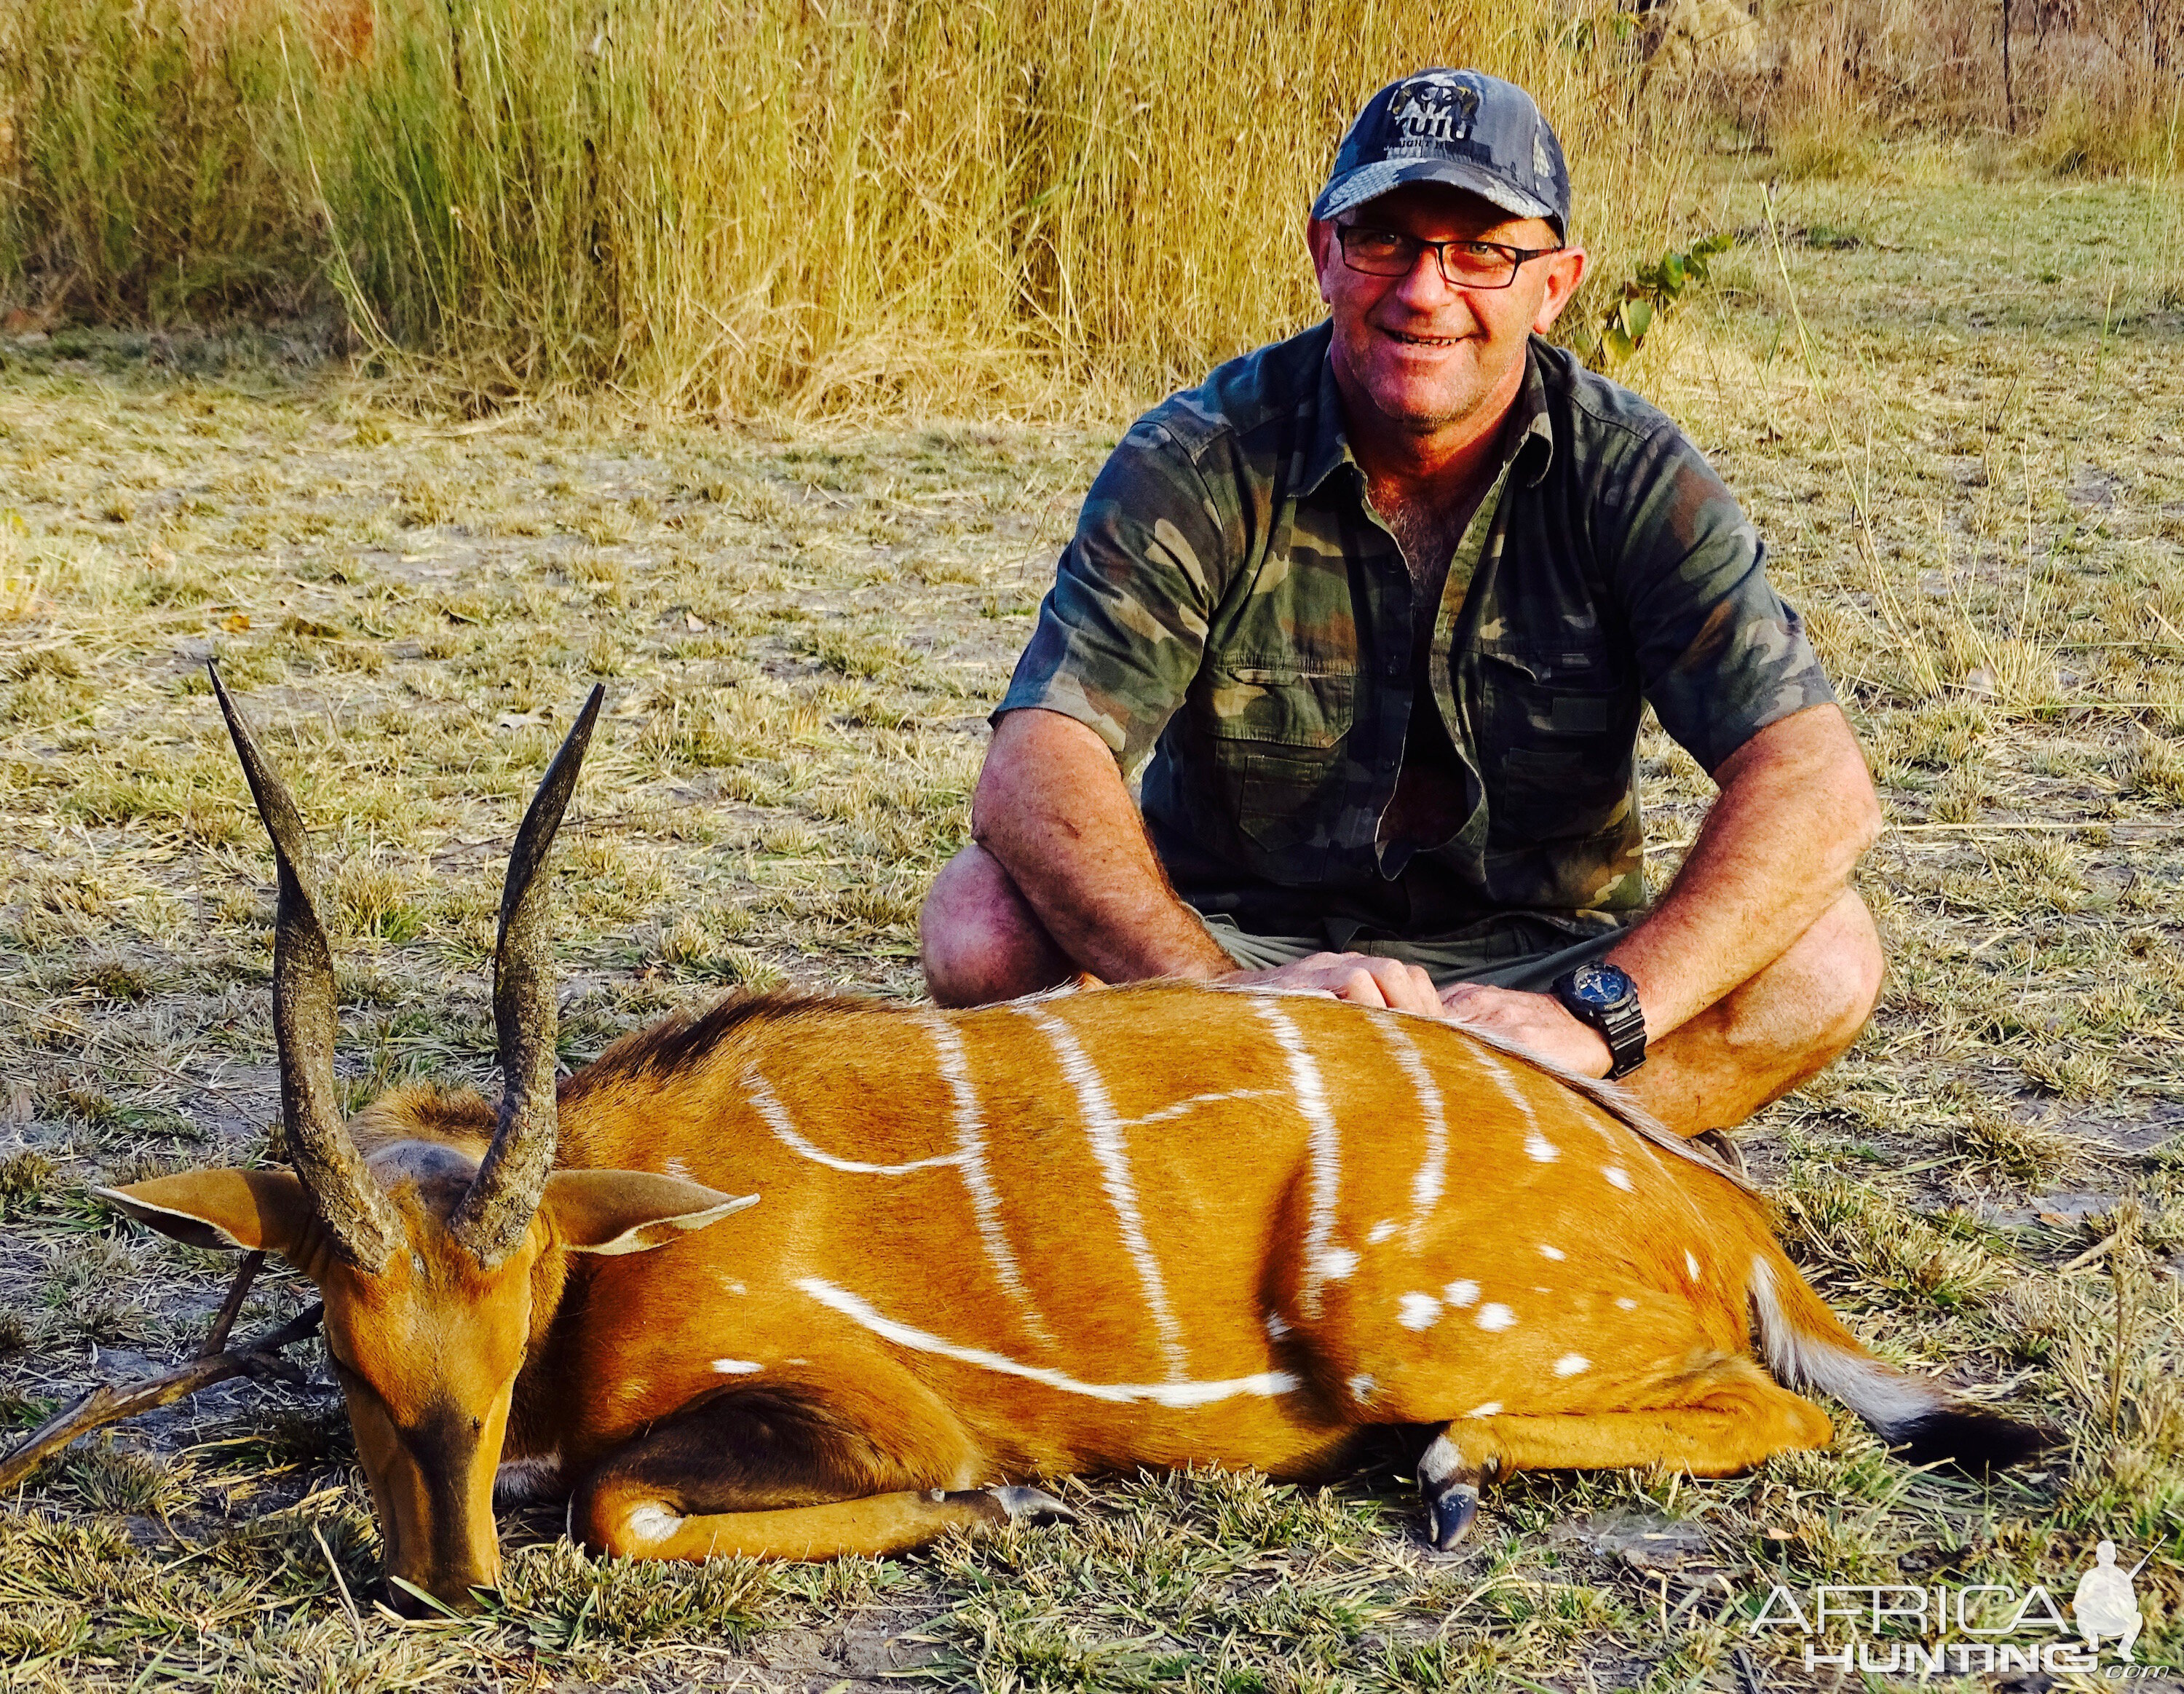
<point>263,1211</point>
<point>626,1211</point>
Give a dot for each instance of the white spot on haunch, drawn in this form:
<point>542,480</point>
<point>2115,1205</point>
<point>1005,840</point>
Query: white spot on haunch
<point>1360,1388</point>
<point>1569,1364</point>
<point>1690,1266</point>
<point>1337,1264</point>
<point>1182,1395</point>
<point>1324,1143</point>
<point>733,1285</point>
<point>1626,1304</point>
<point>736,1367</point>
<point>1418,1311</point>
<point>1495,1316</point>
<point>1617,1177</point>
<point>1381,1232</point>
<point>1276,1329</point>
<point>1460,1293</point>
<point>1491,1408</point>
<point>1555,1253</point>
<point>1432,1175</point>
<point>1103,1129</point>
<point>1538,1147</point>
<point>676,1167</point>
<point>653,1523</point>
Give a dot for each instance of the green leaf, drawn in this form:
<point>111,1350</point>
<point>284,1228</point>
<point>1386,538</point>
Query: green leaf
<point>1637,318</point>
<point>1617,345</point>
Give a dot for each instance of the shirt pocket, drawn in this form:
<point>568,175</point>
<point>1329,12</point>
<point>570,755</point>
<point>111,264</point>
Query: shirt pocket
<point>1279,732</point>
<point>1556,732</point>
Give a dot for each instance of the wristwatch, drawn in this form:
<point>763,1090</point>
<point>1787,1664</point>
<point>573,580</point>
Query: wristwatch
<point>1604,996</point>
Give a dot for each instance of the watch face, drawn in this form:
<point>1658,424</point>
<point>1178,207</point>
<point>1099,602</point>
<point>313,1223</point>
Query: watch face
<point>1600,985</point>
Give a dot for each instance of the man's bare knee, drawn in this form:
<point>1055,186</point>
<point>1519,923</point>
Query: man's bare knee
<point>978,939</point>
<point>1806,1009</point>
<point>1847,968</point>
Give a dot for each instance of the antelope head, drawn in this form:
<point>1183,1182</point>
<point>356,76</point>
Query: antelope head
<point>438,1269</point>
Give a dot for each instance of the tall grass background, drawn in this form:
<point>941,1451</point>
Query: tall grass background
<point>2063,86</point>
<point>732,203</point>
<point>725,205</point>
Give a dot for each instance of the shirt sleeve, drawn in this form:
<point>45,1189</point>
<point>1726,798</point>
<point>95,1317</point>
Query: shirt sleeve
<point>1720,655</point>
<point>1121,633</point>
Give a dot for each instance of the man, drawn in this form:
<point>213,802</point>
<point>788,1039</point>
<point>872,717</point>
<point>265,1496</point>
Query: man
<point>1383,602</point>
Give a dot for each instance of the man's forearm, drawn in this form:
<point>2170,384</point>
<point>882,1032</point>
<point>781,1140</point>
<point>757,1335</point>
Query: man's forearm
<point>1051,808</point>
<point>1795,811</point>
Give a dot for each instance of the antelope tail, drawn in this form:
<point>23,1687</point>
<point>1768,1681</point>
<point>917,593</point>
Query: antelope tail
<point>1807,1347</point>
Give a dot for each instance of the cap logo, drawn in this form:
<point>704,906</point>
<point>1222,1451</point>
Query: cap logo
<point>1433,109</point>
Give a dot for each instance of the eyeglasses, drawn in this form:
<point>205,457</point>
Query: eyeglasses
<point>1463,263</point>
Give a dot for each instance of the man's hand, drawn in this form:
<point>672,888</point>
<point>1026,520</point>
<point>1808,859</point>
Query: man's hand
<point>1538,1022</point>
<point>1356,977</point>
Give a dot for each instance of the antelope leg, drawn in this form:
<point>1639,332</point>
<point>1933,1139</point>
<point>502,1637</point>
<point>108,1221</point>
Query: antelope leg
<point>1735,1428</point>
<point>626,1523</point>
<point>780,1472</point>
<point>1449,1485</point>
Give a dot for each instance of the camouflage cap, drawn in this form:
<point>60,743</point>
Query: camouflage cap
<point>1461,127</point>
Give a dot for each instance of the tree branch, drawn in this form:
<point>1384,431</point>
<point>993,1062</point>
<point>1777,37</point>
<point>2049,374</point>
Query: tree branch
<point>109,1404</point>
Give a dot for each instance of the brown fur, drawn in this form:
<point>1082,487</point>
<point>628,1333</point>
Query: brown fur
<point>797,1379</point>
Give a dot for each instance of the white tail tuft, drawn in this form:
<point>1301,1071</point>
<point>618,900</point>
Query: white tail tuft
<point>1884,1396</point>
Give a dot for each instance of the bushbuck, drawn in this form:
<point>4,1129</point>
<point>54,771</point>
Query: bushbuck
<point>799,1278</point>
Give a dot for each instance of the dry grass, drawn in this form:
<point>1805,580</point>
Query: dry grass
<point>840,207</point>
<point>1969,484</point>
<point>2085,86</point>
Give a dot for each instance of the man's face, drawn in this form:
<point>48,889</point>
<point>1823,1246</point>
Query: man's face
<point>1422,354</point>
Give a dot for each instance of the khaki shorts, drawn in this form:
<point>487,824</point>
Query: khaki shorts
<point>1512,952</point>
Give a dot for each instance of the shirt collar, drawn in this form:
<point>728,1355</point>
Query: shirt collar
<point>1329,446</point>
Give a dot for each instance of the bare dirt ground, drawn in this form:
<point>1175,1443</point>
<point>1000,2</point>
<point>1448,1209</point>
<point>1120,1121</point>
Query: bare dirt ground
<point>1953,407</point>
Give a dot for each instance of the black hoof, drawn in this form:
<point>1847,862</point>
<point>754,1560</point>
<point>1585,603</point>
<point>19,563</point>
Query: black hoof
<point>1449,1515</point>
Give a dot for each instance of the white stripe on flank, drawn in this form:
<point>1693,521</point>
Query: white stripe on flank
<point>1433,1168</point>
<point>736,1367</point>
<point>971,1157</point>
<point>768,1106</point>
<point>1535,1144</point>
<point>1181,1106</point>
<point>1182,1395</point>
<point>1325,1144</point>
<point>1103,1128</point>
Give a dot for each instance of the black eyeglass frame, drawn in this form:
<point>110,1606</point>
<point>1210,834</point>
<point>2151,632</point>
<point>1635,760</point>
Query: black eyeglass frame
<point>1517,257</point>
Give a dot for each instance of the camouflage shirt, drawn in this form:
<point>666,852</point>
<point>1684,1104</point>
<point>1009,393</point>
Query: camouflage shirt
<point>1232,604</point>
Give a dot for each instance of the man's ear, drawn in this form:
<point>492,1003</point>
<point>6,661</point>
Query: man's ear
<point>262,1210</point>
<point>1564,272</point>
<point>626,1211</point>
<point>1318,240</point>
